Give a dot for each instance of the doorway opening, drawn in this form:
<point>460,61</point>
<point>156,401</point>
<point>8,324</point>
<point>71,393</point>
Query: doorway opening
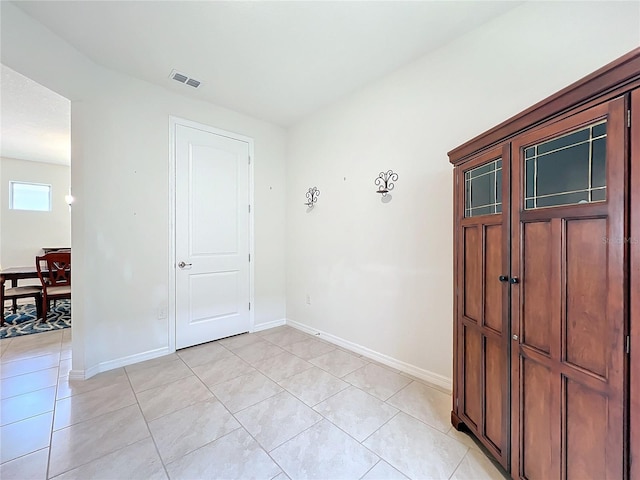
<point>35,192</point>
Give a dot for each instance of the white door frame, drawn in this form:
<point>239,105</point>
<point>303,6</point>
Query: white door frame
<point>171,307</point>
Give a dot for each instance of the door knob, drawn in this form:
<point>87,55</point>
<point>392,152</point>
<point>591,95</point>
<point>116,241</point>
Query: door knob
<point>182,264</point>
<point>514,280</point>
<point>503,278</point>
<point>515,337</point>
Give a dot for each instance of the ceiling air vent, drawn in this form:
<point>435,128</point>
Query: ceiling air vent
<point>182,78</point>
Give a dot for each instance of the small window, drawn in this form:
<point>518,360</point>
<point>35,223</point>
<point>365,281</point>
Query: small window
<point>29,196</point>
<point>567,170</point>
<point>483,189</point>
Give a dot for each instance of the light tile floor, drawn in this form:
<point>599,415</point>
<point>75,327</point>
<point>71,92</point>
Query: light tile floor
<point>275,405</point>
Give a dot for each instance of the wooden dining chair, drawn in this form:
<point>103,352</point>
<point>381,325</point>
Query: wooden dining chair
<point>54,272</point>
<point>15,293</point>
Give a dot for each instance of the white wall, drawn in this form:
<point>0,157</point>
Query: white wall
<point>120,179</point>
<point>122,145</point>
<point>379,275</point>
<point>23,233</point>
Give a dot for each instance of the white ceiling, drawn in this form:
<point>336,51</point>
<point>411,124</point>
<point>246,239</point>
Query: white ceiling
<point>278,61</point>
<point>34,121</point>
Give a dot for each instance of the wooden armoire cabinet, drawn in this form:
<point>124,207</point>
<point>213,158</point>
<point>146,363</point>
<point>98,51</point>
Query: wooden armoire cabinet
<point>547,282</point>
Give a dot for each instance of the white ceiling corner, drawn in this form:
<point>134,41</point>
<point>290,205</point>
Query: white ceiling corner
<point>277,61</point>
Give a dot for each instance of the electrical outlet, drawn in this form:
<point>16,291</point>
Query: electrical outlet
<point>162,313</point>
<point>308,299</point>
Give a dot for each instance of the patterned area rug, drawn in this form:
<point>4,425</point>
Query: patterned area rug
<point>24,321</point>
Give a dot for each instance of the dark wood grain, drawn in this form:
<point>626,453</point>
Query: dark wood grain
<point>494,375</point>
<point>536,292</point>
<point>570,316</point>
<point>634,250</point>
<point>492,270</point>
<point>535,445</point>
<point>472,296</point>
<point>617,293</point>
<point>586,426</point>
<point>472,398</point>
<point>586,312</point>
<point>456,421</point>
<point>481,385</point>
<point>509,388</point>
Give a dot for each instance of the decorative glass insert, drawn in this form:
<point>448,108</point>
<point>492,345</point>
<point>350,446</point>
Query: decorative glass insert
<point>483,189</point>
<point>567,170</point>
<point>29,196</point>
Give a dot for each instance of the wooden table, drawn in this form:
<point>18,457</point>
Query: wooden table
<point>14,274</point>
<point>17,273</point>
<point>55,249</point>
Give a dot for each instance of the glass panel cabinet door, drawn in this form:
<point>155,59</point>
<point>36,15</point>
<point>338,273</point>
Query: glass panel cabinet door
<point>483,189</point>
<point>568,201</point>
<point>568,169</point>
<point>481,310</point>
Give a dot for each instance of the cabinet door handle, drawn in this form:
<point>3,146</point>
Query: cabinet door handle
<point>503,278</point>
<point>514,280</point>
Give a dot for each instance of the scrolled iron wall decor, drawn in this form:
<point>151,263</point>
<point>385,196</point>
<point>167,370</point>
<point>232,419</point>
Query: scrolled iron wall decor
<point>385,182</point>
<point>312,197</point>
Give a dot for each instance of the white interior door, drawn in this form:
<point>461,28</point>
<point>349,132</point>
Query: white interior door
<point>212,236</point>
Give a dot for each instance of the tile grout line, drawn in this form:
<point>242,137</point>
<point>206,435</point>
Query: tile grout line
<point>30,453</point>
<point>101,456</point>
<point>37,390</point>
<point>382,458</point>
<point>295,436</point>
<point>459,463</point>
<point>240,426</point>
<point>374,466</point>
<point>377,429</point>
<point>312,407</point>
<point>30,416</point>
<point>233,415</point>
<point>268,453</point>
<point>384,401</point>
<point>53,415</point>
<point>83,421</point>
<point>155,445</point>
<point>423,421</point>
<point>4,349</point>
<point>342,377</point>
<point>198,448</point>
<point>282,470</point>
<point>29,393</point>
<point>29,359</point>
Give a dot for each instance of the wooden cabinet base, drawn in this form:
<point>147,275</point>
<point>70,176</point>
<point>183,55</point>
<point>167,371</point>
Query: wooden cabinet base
<point>457,423</point>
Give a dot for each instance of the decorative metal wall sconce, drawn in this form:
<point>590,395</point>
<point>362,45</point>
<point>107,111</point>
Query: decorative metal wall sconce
<point>312,197</point>
<point>385,182</point>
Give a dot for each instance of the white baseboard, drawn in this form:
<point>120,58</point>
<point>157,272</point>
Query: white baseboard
<point>148,355</point>
<point>268,325</point>
<point>83,374</point>
<point>117,363</point>
<point>436,380</point>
